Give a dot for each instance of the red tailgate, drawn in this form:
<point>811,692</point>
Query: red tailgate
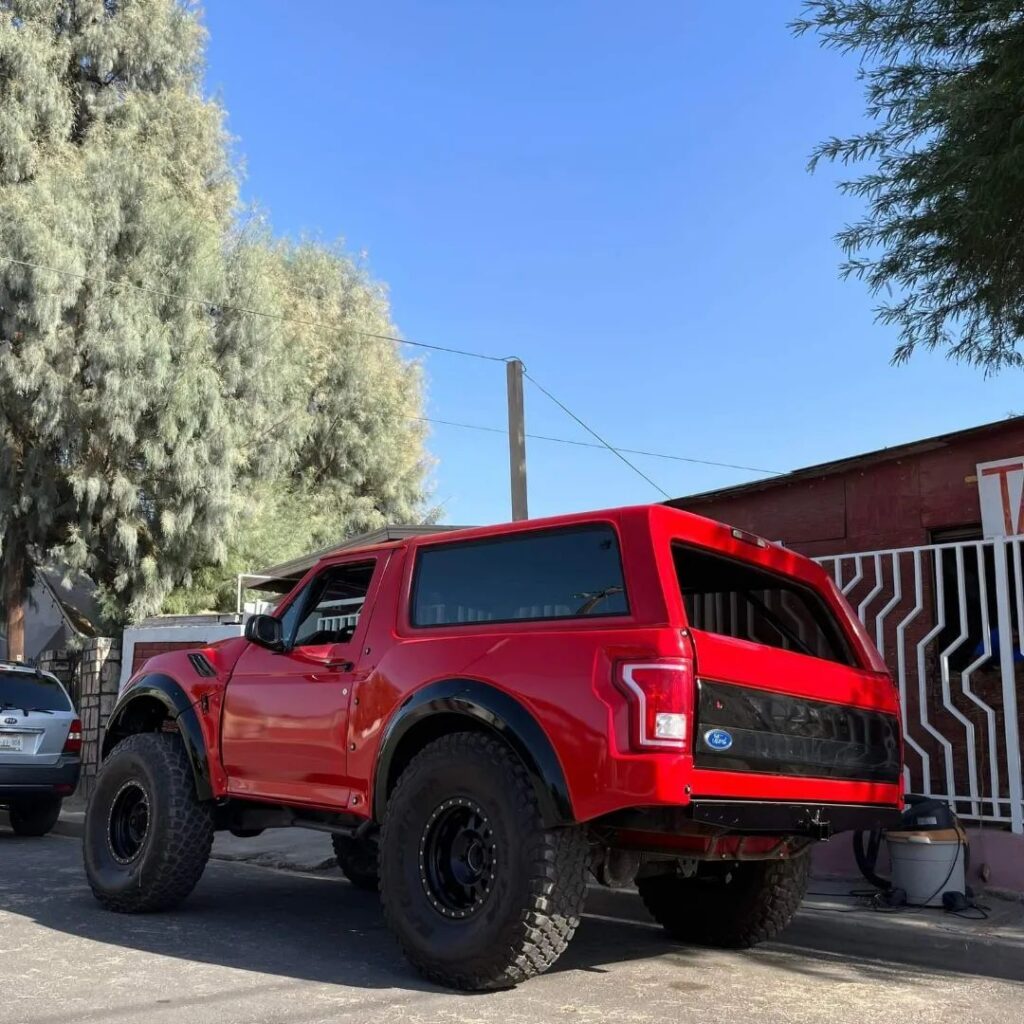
<point>789,703</point>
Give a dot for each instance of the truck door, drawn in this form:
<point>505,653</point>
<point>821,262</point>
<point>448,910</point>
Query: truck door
<point>285,721</point>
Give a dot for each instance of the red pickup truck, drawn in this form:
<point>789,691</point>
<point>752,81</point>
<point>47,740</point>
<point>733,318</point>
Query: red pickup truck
<point>484,719</point>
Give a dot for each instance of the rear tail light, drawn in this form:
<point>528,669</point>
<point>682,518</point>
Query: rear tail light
<point>660,693</point>
<point>73,744</point>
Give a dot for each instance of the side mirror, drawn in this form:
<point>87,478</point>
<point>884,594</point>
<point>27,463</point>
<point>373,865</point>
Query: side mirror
<point>266,631</point>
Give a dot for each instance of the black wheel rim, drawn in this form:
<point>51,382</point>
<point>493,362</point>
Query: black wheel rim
<point>458,858</point>
<point>128,824</point>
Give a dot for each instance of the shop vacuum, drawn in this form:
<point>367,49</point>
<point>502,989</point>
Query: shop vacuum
<point>929,855</point>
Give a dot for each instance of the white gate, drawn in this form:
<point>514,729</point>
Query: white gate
<point>949,621</point>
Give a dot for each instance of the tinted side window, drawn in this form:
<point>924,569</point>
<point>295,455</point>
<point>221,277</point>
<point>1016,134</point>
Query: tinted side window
<point>332,605</point>
<point>740,600</point>
<point>556,574</point>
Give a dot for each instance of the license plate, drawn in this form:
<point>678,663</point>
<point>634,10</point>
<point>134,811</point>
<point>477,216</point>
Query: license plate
<point>11,742</point>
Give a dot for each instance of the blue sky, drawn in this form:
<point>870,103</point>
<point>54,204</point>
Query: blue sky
<point>614,192</point>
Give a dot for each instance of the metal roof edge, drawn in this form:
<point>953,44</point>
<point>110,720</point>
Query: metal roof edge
<point>824,469</point>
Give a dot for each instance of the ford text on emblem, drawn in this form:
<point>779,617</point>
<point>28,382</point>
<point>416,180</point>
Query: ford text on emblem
<point>718,739</point>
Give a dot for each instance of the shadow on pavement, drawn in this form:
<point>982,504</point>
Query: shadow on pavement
<point>319,928</point>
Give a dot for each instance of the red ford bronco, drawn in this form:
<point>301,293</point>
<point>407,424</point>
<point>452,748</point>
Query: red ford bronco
<point>483,718</point>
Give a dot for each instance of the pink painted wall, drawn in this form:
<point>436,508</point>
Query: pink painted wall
<point>1001,851</point>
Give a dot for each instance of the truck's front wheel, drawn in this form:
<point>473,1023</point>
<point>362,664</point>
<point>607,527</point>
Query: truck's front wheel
<point>147,835</point>
<point>731,905</point>
<point>479,893</point>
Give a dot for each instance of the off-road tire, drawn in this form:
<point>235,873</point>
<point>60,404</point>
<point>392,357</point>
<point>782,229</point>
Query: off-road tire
<point>176,847</point>
<point>537,891</point>
<point>357,859</point>
<point>732,906</point>
<point>34,817</point>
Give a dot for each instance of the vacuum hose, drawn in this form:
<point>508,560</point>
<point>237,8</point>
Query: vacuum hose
<point>866,855</point>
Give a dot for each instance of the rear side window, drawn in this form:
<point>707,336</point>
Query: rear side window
<point>28,693</point>
<point>553,574</point>
<point>744,601</point>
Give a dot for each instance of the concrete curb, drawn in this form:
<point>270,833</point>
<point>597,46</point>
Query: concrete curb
<point>272,860</point>
<point>71,824</point>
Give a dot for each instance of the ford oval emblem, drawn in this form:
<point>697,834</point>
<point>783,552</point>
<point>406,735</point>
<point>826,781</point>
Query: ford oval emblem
<point>718,739</point>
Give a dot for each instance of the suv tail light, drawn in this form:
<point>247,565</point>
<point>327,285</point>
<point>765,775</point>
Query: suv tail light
<point>660,693</point>
<point>73,744</point>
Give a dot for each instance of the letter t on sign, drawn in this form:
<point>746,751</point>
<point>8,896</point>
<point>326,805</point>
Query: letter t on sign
<point>1001,490</point>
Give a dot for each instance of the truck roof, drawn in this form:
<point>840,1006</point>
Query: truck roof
<point>464,533</point>
<point>662,519</point>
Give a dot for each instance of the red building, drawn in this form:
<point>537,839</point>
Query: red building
<point>923,492</point>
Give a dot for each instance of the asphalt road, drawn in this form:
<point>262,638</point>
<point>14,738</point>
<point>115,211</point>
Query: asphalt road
<point>256,945</point>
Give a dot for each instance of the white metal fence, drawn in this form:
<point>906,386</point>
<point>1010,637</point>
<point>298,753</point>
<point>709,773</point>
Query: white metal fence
<point>949,621</point>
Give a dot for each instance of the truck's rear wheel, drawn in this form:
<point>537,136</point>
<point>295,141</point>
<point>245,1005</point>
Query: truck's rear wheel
<point>479,893</point>
<point>147,836</point>
<point>357,859</point>
<point>731,905</point>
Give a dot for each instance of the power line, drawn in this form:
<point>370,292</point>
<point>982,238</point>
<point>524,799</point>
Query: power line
<point>615,451</point>
<point>451,350</point>
<point>591,444</point>
<point>280,317</point>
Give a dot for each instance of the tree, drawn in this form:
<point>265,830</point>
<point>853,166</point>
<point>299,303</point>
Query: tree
<point>360,454</point>
<point>944,187</point>
<point>115,440</point>
<point>330,433</point>
<point>170,382</point>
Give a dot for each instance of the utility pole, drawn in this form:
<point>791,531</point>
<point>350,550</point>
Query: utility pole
<point>516,438</point>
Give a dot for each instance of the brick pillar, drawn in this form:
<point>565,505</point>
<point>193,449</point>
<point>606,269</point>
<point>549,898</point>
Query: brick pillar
<point>62,662</point>
<point>99,671</point>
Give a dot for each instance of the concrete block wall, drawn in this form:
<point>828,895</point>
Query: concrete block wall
<point>99,673</point>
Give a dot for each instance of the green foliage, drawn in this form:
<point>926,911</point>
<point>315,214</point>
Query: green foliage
<point>273,524</point>
<point>944,188</point>
<point>329,436</point>
<point>115,436</point>
<point>143,419</point>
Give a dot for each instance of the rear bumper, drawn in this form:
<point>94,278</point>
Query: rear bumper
<point>756,818</point>
<point>18,780</point>
<point>815,821</point>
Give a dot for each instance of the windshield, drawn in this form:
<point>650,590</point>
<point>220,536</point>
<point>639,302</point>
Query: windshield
<point>31,693</point>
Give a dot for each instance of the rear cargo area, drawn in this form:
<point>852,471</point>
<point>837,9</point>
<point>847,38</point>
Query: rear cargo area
<point>782,688</point>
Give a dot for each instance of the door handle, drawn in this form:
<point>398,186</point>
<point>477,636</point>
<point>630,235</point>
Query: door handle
<point>339,666</point>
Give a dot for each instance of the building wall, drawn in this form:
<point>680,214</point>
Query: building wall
<point>172,633</point>
<point>868,507</point>
<point>142,652</point>
<point>45,627</point>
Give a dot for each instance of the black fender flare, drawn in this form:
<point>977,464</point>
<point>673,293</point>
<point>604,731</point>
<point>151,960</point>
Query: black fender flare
<point>169,693</point>
<point>479,704</point>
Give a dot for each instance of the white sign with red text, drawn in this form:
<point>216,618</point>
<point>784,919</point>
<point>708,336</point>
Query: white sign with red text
<point>1001,488</point>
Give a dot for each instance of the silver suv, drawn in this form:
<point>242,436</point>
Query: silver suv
<point>40,748</point>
